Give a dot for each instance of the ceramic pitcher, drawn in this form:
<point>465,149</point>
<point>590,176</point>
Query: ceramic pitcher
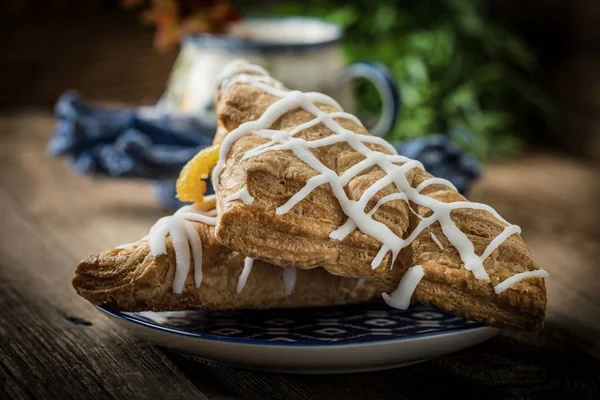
<point>304,53</point>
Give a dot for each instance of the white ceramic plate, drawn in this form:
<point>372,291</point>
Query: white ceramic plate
<point>332,340</point>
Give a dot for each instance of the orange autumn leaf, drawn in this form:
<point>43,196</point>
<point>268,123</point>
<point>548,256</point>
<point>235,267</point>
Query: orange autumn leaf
<point>174,19</point>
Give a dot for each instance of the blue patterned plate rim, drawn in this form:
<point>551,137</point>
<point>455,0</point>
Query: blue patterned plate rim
<point>142,321</point>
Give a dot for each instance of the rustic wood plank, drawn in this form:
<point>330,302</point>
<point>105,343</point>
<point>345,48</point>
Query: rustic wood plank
<point>532,367</point>
<point>554,199</point>
<point>53,345</point>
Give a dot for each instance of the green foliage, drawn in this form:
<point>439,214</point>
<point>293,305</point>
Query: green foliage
<point>455,68</point>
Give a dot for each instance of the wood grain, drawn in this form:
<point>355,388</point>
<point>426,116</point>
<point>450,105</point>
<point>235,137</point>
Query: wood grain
<point>502,368</point>
<point>52,344</point>
<point>554,199</point>
<point>55,345</point>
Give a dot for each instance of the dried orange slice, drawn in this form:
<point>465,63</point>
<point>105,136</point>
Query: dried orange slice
<point>190,184</point>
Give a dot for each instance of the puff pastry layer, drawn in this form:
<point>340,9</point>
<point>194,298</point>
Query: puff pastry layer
<point>132,279</point>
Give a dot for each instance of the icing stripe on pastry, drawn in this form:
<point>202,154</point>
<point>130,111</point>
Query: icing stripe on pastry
<point>242,195</point>
<point>241,284</point>
<point>498,240</point>
<point>237,73</point>
<point>184,237</point>
<point>289,280</point>
<point>435,181</point>
<point>400,298</point>
<point>437,241</point>
<point>505,284</point>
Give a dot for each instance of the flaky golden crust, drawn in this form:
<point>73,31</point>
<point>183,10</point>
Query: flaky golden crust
<point>273,177</point>
<point>134,280</point>
<point>477,301</point>
<point>300,238</point>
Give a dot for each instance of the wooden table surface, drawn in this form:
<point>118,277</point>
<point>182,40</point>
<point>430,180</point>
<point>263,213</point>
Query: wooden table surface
<point>53,344</point>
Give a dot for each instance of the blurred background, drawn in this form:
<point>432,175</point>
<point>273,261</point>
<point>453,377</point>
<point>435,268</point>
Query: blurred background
<point>515,74</point>
<point>506,87</point>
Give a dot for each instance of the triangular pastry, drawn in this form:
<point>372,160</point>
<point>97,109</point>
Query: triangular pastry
<point>300,183</point>
<point>199,272</point>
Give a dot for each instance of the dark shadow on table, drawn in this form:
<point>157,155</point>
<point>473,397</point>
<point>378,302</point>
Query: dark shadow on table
<point>501,368</point>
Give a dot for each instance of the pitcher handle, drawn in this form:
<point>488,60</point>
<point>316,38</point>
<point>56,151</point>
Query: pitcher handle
<point>380,76</point>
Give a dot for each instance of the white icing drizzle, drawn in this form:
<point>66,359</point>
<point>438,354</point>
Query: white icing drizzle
<point>196,246</point>
<point>241,284</point>
<point>437,241</point>
<point>435,181</point>
<point>508,231</point>
<point>507,283</point>
<point>289,279</point>
<point>379,257</point>
<point>242,194</point>
<point>354,209</point>
<point>183,237</point>
<point>400,298</point>
<point>349,226</point>
<point>237,66</point>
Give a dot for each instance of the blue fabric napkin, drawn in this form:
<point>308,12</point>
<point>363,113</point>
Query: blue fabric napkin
<point>143,143</point>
